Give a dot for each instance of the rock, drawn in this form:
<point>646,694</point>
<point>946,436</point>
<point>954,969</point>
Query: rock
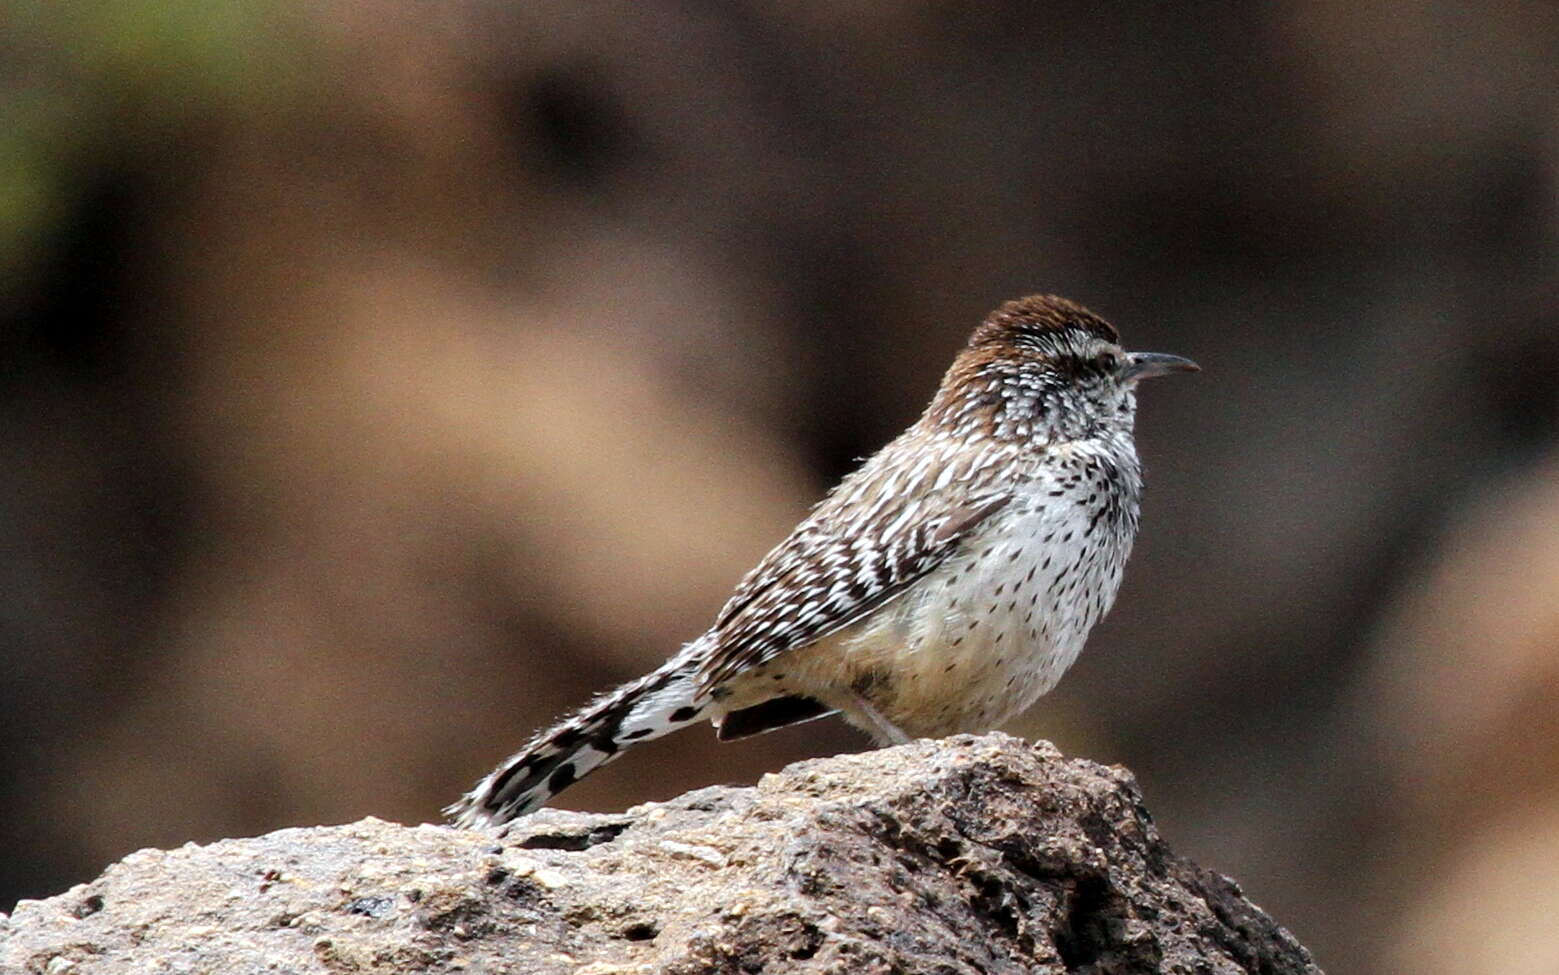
<point>972,854</point>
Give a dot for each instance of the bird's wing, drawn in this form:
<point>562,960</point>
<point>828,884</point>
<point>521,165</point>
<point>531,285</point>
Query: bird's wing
<point>866,543</point>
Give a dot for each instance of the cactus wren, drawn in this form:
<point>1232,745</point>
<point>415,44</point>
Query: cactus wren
<point>942,587</point>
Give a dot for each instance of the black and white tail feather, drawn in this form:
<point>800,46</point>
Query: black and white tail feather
<point>656,704</point>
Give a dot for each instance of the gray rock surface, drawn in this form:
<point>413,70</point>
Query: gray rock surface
<point>972,854</point>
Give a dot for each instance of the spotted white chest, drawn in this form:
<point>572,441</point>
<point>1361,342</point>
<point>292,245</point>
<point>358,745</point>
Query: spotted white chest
<point>981,637</point>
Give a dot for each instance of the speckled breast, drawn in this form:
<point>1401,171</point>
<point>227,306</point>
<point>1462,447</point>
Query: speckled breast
<point>995,627</point>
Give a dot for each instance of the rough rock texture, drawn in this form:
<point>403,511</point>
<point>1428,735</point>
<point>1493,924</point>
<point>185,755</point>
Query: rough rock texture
<point>973,854</point>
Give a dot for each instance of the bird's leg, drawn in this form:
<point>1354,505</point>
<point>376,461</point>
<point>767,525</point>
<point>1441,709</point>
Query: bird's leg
<point>885,731</point>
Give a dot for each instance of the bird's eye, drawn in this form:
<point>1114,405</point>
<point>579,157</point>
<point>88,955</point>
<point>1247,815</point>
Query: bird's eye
<point>1107,361</point>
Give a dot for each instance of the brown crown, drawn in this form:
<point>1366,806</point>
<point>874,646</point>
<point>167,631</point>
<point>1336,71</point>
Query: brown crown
<point>1040,315</point>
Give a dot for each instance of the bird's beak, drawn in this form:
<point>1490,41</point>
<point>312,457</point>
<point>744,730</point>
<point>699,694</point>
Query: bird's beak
<point>1146,365</point>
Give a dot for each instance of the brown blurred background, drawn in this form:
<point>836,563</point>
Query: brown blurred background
<point>381,379</point>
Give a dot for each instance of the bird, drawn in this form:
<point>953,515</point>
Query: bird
<point>942,587</point>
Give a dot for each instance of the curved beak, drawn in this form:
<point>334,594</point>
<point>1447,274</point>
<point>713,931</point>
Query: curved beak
<point>1146,365</point>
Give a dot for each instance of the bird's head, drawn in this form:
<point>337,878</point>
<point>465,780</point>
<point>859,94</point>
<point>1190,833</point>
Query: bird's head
<point>1046,367</point>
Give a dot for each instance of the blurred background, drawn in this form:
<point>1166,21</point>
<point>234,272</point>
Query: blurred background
<point>381,379</point>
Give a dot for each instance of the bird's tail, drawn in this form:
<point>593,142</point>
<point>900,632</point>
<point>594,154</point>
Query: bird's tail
<point>653,705</point>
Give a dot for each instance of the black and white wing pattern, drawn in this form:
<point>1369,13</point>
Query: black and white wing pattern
<point>882,528</point>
